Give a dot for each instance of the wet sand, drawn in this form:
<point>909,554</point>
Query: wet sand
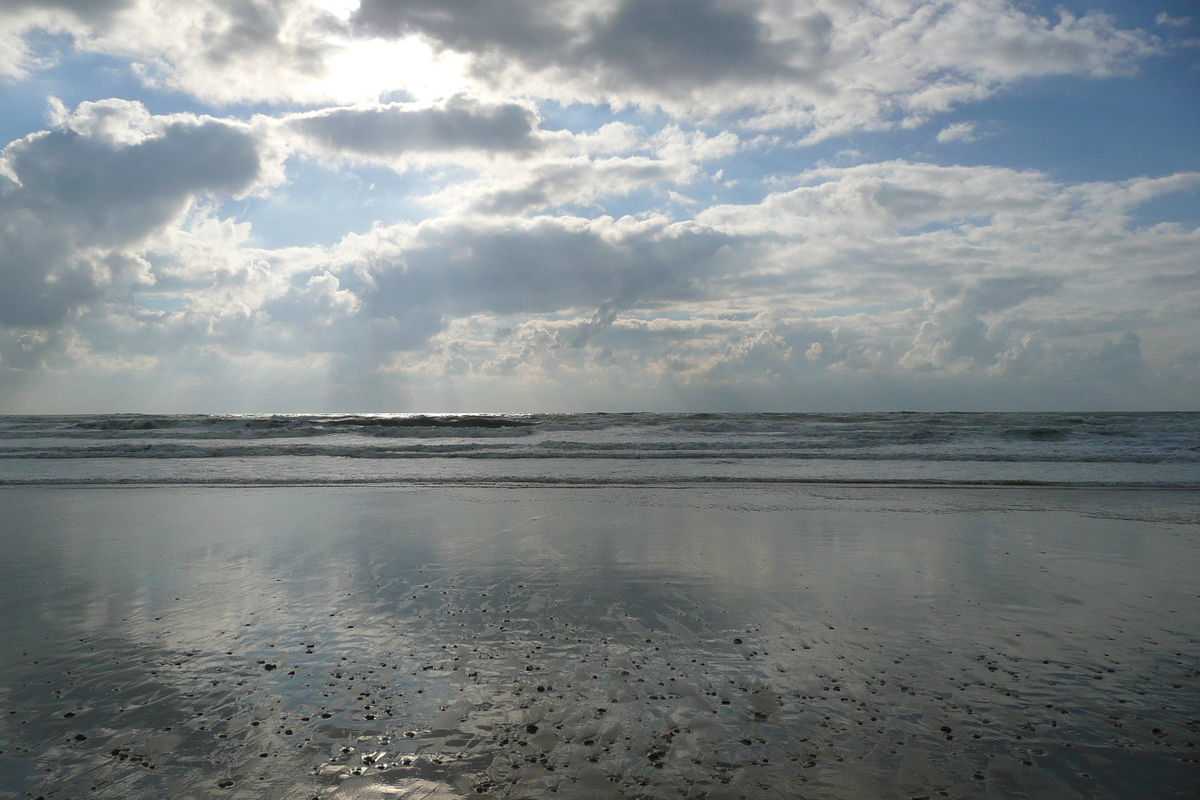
<point>700,642</point>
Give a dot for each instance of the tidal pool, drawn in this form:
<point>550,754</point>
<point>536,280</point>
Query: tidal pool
<point>699,642</point>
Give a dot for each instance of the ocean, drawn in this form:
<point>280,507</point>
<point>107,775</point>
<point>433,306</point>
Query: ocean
<point>1105,449</point>
<point>600,606</point>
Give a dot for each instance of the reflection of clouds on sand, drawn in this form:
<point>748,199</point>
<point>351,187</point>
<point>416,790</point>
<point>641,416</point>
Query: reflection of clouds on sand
<point>413,789</point>
<point>597,643</point>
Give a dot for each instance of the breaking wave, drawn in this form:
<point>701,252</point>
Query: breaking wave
<point>1110,448</point>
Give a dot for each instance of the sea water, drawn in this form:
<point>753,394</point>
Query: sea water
<point>539,606</point>
<point>1111,449</point>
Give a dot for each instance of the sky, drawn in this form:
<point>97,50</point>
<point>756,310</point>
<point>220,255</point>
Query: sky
<point>599,205</point>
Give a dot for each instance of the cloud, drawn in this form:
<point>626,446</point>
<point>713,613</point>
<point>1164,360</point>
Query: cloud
<point>1119,360</point>
<point>557,183</point>
<point>958,132</point>
<point>470,25</point>
<point>20,17</point>
<point>77,200</point>
<point>1175,22</point>
<point>541,265</point>
<point>510,164</point>
<point>899,268</point>
<point>955,336</point>
<point>398,129</point>
<point>91,10</point>
<point>884,198</point>
<point>683,43</point>
<point>113,257</point>
<point>396,288</point>
<point>510,229</point>
<point>220,50</point>
<point>561,175</point>
<point>825,66</point>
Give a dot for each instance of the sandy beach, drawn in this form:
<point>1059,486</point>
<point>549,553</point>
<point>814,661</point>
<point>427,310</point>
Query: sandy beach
<point>703,642</point>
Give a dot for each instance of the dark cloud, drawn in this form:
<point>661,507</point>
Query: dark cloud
<point>1119,360</point>
<point>88,10</point>
<point>997,294</point>
<point>659,44</point>
<point>310,319</point>
<point>80,198</point>
<point>1182,280</point>
<point>521,26</point>
<point>460,124</point>
<point>547,266</point>
<point>249,27</point>
<point>397,301</point>
<point>600,322</point>
<point>909,205</point>
<point>695,41</point>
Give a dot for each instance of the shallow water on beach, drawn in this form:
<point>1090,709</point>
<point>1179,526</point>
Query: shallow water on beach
<point>702,642</point>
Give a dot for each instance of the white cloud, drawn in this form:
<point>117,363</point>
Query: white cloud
<point>527,238</point>
<point>114,257</point>
<point>20,17</point>
<point>558,182</point>
<point>514,164</point>
<point>823,66</point>
<point>556,177</point>
<point>78,200</point>
<point>1175,22</point>
<point>220,50</point>
<point>820,65</point>
<point>958,132</point>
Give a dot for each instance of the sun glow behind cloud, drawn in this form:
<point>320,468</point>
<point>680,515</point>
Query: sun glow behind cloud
<point>375,68</point>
